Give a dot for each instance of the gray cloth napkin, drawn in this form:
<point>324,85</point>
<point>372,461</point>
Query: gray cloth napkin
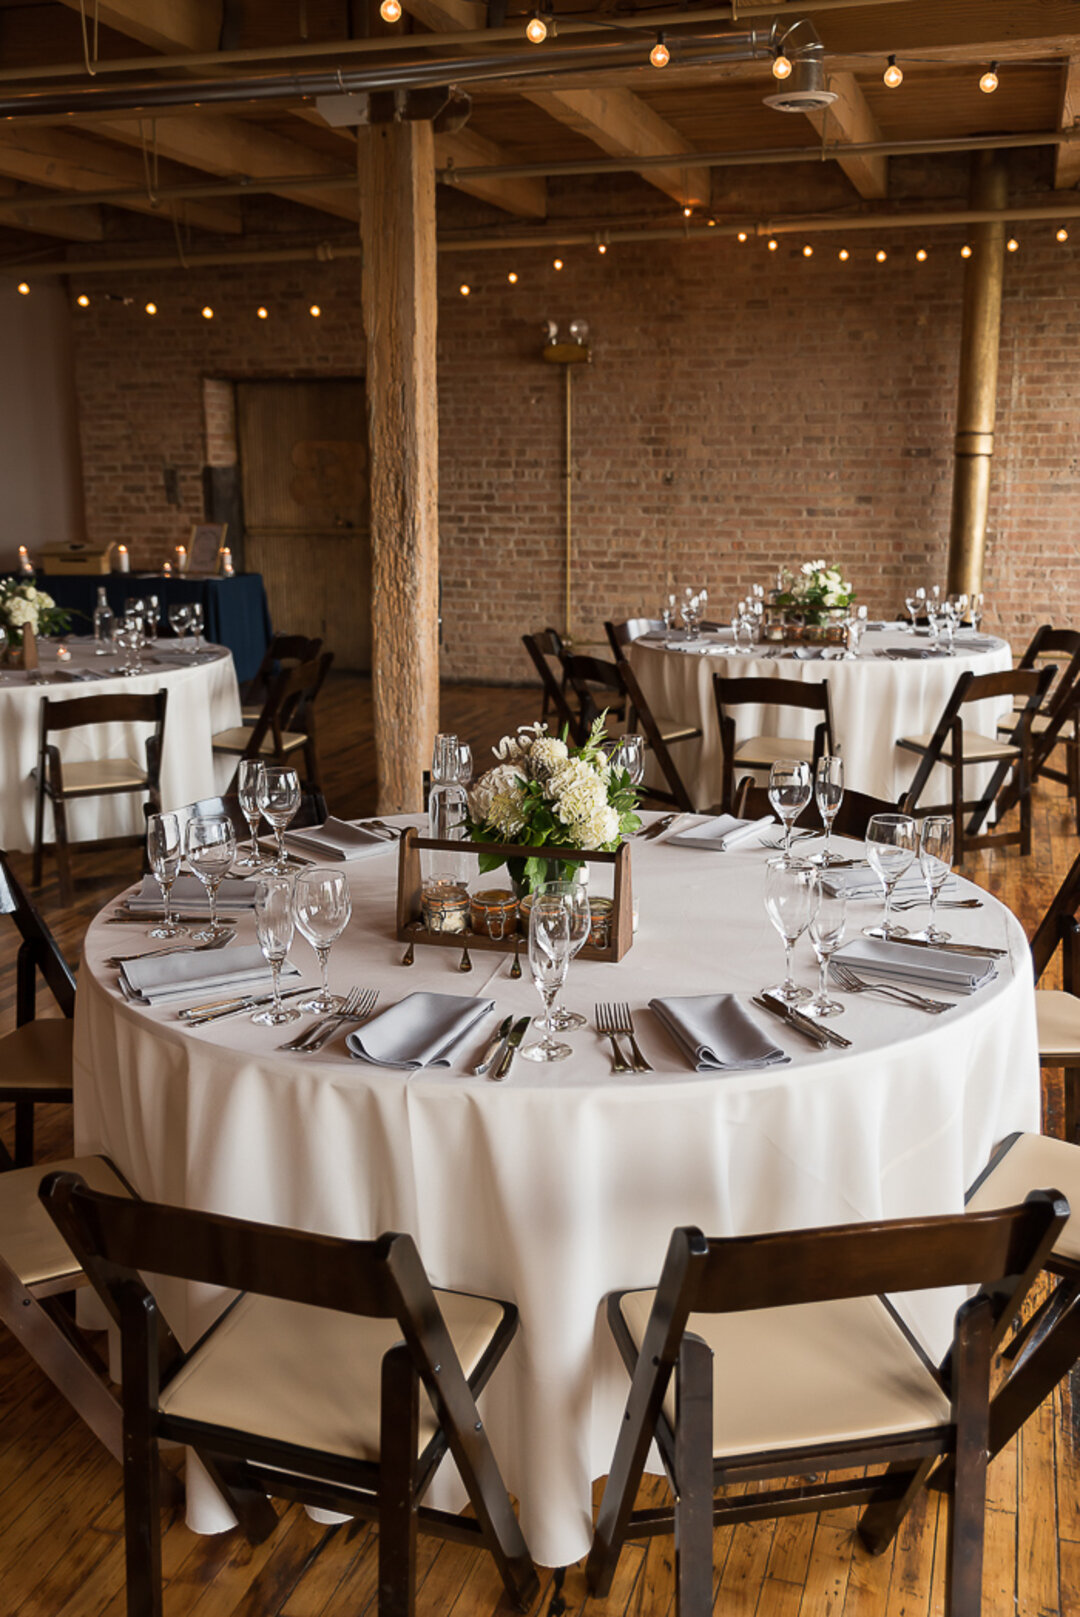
<point>715,1033</point>
<point>862,882</point>
<point>185,975</point>
<point>901,653</point>
<point>189,894</point>
<point>419,1031</point>
<point>724,832</point>
<point>337,839</point>
<point>807,654</point>
<point>929,968</point>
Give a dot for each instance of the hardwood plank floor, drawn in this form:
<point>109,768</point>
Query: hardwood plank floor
<point>61,1521</point>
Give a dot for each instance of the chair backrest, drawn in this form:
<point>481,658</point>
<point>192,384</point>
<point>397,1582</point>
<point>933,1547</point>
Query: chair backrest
<point>676,793</point>
<point>769,691</point>
<point>38,950</point>
<point>584,675</point>
<point>290,698</point>
<point>550,642</point>
<point>312,811</point>
<point>1027,683</point>
<point>553,690</point>
<point>284,651</point>
<point>1057,925</point>
<point>123,707</point>
<point>621,635</point>
<point>1060,700</point>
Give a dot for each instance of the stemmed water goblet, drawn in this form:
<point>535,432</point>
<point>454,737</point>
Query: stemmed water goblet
<point>790,790</point>
<point>196,626</point>
<point>828,795</point>
<point>689,609</point>
<point>129,637</point>
<point>628,757</point>
<point>180,622</point>
<point>890,848</point>
<point>575,896</point>
<point>791,899</point>
<point>322,907</point>
<point>278,795</point>
<point>916,605</point>
<point>210,845</point>
<point>827,926</point>
<point>165,850</point>
<point>935,862</point>
<point>668,612</point>
<point>274,924</point>
<point>550,949</point>
<point>248,781</point>
<point>976,609</point>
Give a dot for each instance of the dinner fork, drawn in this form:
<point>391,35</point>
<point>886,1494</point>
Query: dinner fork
<point>624,1023</point>
<point>115,960</point>
<point>845,978</point>
<point>943,903</point>
<point>605,1024</point>
<point>357,1008</point>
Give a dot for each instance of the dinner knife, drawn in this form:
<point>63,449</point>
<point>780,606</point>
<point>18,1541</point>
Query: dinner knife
<point>195,1015</point>
<point>956,948</point>
<point>800,1018</point>
<point>513,1039</point>
<point>807,1029</point>
<point>659,827</point>
<point>493,1046</point>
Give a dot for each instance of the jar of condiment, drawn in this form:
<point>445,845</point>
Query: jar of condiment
<point>493,913</point>
<point>602,911</point>
<point>445,906</point>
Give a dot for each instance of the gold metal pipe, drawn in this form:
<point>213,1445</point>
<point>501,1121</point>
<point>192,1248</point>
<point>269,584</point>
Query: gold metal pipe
<point>976,405</point>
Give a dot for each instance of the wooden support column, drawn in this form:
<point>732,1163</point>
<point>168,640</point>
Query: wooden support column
<point>396,172</point>
<point>976,407</point>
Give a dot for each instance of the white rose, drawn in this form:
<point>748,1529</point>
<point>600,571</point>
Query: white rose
<point>808,567</point>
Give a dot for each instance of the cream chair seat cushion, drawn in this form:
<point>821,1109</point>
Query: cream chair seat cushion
<point>763,751</point>
<point>978,749</point>
<point>1057,1016</point>
<point>297,1374</point>
<point>788,1378</point>
<point>93,775</point>
<point>38,1054</point>
<point>1039,725</point>
<point>1036,1162</point>
<point>30,1243</point>
<point>236,740</point>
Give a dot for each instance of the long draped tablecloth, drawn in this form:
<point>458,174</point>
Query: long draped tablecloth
<point>874,701</point>
<point>204,698</point>
<point>563,1182</point>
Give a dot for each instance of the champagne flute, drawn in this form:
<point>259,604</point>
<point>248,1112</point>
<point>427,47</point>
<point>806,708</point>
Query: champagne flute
<point>210,845</point>
<point>274,929</point>
<point>575,895</point>
<point>165,850</point>
<point>935,862</point>
<point>279,799</point>
<point>826,935</point>
<point>789,793</point>
<point>828,794</point>
<point>890,848</point>
<point>549,958</point>
<point>248,784</point>
<point>322,907</point>
<point>791,896</point>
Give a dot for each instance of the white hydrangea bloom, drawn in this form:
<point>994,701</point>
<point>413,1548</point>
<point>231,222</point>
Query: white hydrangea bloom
<point>503,779</point>
<point>546,755</point>
<point>21,612</point>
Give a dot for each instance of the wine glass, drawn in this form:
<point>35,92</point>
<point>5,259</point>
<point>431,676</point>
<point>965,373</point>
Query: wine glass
<point>279,799</point>
<point>789,793</point>
<point>667,612</point>
<point>689,608</point>
<point>464,764</point>
<point>828,794</point>
<point>575,895</point>
<point>322,907</point>
<point>890,848</point>
<point>629,757</point>
<point>791,898</point>
<point>826,935</point>
<point>916,605</point>
<point>165,850</point>
<point>933,618</point>
<point>210,845</point>
<point>248,780</point>
<point>180,622</point>
<point>978,602</point>
<point>855,628</point>
<point>549,957</point>
<point>197,626</point>
<point>274,929</point>
<point>935,862</point>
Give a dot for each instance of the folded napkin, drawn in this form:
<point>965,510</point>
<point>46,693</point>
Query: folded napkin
<point>337,839</point>
<point>724,832</point>
<point>929,968</point>
<point>903,653</point>
<point>862,882</point>
<point>715,1033</point>
<point>807,654</point>
<point>975,642</point>
<point>196,974</point>
<point>419,1031</point>
<point>189,895</point>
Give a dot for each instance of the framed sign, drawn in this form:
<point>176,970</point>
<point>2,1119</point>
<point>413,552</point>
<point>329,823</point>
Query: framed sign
<point>204,546</point>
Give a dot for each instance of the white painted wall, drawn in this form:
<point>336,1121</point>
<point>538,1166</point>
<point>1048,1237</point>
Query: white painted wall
<point>40,468</point>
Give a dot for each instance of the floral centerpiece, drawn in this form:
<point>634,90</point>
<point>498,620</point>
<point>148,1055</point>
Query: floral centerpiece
<point>24,606</point>
<point>543,793</point>
<point>818,588</point>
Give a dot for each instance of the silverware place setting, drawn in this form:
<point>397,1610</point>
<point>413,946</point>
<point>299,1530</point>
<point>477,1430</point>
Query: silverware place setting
<point>514,1038</point>
<point>943,903</point>
<point>215,1010</point>
<point>849,981</point>
<point>614,1021</point>
<point>818,1033</point>
<point>357,1006</point>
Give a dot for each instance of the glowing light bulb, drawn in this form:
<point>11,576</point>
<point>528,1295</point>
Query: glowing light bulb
<point>83,301</point>
<point>881,255</point>
<point>711,223</point>
<point>688,213</point>
<point>536,30</point>
<point>1063,234</point>
<point>556,263</point>
<point>465,289</point>
<point>1012,245</point>
<point>843,255</point>
<point>893,75</point>
<point>773,244</point>
<point>781,68</point>
<point>207,313</point>
<point>263,314</point>
<point>742,235</point>
<point>314,311</point>
<point>808,251</point>
<point>965,251</point>
<point>24,288</point>
<point>921,255</point>
<point>390,10</point>
<point>659,56</point>
<point>151,308</point>
<point>602,248</point>
<point>512,277</point>
<point>989,81</point>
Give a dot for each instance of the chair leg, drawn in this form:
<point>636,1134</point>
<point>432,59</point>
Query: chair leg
<point>39,826</point>
<point>63,856</point>
<point>400,1416</point>
<point>1070,1082</point>
<point>24,1133</point>
<point>967,1502</point>
<point>957,773</point>
<point>694,1476</point>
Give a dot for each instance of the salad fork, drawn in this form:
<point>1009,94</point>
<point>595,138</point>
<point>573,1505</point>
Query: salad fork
<point>624,1024</point>
<point>605,1024</point>
<point>358,1004</point>
<point>116,960</point>
<point>845,978</point>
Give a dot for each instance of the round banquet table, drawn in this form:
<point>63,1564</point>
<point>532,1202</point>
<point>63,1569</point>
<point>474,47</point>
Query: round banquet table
<point>562,1182</point>
<point>875,698</point>
<point>204,698</point>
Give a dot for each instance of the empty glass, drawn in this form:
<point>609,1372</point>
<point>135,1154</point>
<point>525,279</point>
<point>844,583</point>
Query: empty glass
<point>197,626</point>
<point>550,948</point>
<point>575,895</point>
<point>322,907</point>
<point>789,792</point>
<point>935,862</point>
<point>826,935</point>
<point>791,898</point>
<point>976,610</point>
<point>128,634</point>
<point>248,785</point>
<point>210,845</point>
<point>828,794</point>
<point>668,612</point>
<point>854,629</point>
<point>165,850</point>
<point>180,622</point>
<point>629,757</point>
<point>916,605</point>
<point>274,929</point>
<point>279,799</point>
<point>890,848</point>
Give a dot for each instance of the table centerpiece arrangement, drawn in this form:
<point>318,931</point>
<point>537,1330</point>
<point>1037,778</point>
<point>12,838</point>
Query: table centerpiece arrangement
<point>24,606</point>
<point>810,605</point>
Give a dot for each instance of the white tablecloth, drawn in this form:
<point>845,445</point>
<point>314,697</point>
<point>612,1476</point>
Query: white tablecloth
<point>874,701</point>
<point>563,1182</point>
<point>203,698</point>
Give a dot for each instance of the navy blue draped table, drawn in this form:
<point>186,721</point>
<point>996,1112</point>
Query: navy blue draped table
<point>235,612</point>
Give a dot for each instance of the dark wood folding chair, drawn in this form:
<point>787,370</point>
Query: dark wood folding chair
<point>36,1057</point>
<point>62,782</point>
<point>312,811</point>
<point>762,751</point>
<point>621,635</point>
<point>659,741</point>
<point>284,651</point>
<point>1057,1010</point>
<point>555,697</point>
<point>285,729</point>
<point>307,1387</point>
<point>852,817</point>
<point>956,748</point>
<point>1057,722</point>
<point>776,1356</point>
<point>550,644</point>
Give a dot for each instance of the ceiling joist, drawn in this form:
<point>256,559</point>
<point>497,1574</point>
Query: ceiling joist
<point>849,120</point>
<point>1067,160</point>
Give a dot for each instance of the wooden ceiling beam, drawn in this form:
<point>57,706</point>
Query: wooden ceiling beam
<point>71,224</point>
<point>623,125</point>
<point>166,25</point>
<point>1067,158</point>
<point>849,119</point>
<point>524,196</point>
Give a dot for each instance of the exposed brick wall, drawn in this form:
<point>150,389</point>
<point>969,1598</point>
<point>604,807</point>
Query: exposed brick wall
<point>743,408</point>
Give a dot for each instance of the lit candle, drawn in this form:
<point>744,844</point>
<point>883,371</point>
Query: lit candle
<point>63,655</point>
<point>226,562</point>
<point>167,570</point>
<point>25,564</point>
<point>123,560</point>
<point>181,558</point>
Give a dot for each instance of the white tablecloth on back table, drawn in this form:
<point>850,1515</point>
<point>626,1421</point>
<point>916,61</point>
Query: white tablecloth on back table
<point>562,1182</point>
<point>874,701</point>
<point>204,698</point>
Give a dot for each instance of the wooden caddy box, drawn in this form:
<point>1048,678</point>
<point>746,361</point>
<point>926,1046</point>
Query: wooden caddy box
<point>410,880</point>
